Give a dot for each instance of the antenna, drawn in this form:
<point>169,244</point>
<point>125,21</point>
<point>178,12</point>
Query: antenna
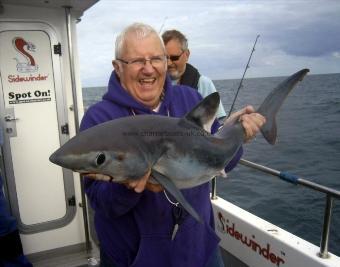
<point>244,73</point>
<point>161,28</point>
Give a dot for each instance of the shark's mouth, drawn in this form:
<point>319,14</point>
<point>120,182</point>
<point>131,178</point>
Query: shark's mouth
<point>97,176</point>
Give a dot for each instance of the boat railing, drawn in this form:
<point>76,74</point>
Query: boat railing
<point>288,177</point>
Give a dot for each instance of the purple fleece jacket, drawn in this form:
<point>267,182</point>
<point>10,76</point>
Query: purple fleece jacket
<point>134,229</point>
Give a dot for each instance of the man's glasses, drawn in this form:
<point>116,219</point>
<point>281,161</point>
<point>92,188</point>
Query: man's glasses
<point>175,58</point>
<point>155,61</point>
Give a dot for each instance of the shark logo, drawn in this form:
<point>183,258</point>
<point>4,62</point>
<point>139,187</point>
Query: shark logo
<point>24,48</point>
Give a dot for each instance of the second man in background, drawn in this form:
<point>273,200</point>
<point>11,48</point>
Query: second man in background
<point>181,72</point>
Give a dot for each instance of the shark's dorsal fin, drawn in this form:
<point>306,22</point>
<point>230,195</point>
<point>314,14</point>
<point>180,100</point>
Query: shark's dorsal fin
<point>204,113</point>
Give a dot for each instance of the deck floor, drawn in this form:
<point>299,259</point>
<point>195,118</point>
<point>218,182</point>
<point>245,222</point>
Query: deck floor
<point>67,258</point>
<point>76,257</point>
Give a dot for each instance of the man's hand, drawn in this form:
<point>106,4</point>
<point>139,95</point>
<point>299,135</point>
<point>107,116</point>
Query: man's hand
<point>138,185</point>
<point>143,183</point>
<point>250,120</point>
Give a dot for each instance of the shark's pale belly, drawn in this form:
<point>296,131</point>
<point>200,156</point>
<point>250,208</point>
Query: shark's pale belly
<point>185,172</point>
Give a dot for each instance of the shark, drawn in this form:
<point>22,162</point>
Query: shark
<point>181,152</point>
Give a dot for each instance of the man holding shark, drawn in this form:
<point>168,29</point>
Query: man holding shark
<point>134,225</point>
<point>148,134</point>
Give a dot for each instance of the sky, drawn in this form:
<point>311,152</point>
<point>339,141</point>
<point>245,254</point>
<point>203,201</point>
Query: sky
<point>293,35</point>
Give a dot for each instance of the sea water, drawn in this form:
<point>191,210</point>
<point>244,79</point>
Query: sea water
<point>308,145</point>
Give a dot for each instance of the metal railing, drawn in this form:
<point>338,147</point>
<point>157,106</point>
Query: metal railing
<point>288,177</point>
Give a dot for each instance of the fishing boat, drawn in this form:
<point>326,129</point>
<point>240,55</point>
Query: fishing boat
<point>41,105</point>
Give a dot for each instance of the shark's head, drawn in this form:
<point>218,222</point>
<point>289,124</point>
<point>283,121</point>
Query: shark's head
<point>101,150</point>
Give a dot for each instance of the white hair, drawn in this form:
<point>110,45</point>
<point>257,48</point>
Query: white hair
<point>140,30</point>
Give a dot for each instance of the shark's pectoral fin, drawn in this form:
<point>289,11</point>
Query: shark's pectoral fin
<point>174,191</point>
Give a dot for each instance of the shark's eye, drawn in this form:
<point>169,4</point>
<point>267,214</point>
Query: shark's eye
<point>100,159</point>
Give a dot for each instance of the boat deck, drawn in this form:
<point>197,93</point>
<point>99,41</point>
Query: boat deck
<point>75,256</point>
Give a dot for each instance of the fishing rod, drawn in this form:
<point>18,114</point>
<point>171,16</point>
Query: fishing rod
<point>244,73</point>
<point>214,181</point>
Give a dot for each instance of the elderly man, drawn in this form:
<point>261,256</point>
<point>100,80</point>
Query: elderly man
<point>181,72</point>
<point>134,225</point>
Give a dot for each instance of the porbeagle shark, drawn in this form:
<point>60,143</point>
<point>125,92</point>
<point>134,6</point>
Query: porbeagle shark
<point>180,152</point>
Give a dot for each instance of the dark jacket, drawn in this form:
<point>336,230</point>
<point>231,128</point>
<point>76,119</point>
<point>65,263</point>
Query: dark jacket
<point>190,76</point>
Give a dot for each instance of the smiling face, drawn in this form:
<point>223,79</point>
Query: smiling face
<point>144,82</point>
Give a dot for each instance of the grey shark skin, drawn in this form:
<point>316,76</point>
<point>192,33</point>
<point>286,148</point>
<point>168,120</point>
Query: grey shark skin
<point>180,152</point>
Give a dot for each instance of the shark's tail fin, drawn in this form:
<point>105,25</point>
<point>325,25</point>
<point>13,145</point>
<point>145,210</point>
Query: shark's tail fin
<point>273,102</point>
